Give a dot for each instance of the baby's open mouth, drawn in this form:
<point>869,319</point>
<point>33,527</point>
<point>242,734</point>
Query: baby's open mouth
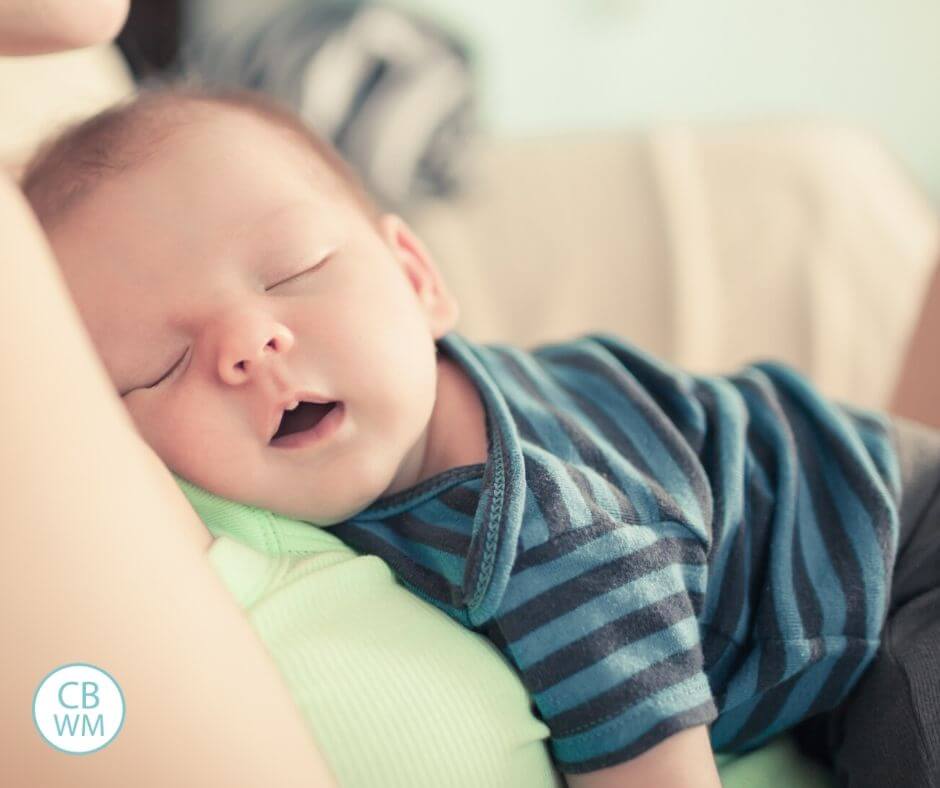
<point>304,417</point>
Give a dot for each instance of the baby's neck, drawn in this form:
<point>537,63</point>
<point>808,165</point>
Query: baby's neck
<point>457,431</point>
<point>455,434</point>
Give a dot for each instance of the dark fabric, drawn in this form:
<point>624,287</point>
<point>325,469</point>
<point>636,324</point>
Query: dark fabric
<point>887,732</point>
<point>150,39</point>
<point>391,90</point>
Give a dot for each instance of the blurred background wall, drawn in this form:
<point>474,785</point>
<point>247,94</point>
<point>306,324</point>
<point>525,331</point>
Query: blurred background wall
<point>748,178</point>
<point>598,64</point>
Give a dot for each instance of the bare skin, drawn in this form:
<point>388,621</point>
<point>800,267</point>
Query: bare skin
<point>917,393</point>
<point>83,554</point>
<point>262,283</point>
<point>36,27</point>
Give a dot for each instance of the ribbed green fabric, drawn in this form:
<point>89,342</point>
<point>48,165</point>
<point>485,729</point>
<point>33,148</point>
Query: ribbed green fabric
<point>395,692</point>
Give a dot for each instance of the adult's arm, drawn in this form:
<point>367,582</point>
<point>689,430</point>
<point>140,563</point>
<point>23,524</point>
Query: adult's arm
<point>917,392</point>
<point>104,561</point>
<point>33,27</point>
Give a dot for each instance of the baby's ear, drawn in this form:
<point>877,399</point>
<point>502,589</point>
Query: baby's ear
<point>439,304</point>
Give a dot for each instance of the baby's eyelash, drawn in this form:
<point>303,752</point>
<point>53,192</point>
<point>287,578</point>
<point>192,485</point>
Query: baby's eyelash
<point>169,372</point>
<point>307,270</point>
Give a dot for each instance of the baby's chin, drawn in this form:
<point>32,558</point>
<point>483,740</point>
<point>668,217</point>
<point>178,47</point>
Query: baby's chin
<point>325,521</point>
<point>315,513</point>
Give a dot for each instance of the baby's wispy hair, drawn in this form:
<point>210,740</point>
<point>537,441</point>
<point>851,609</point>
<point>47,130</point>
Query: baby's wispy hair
<point>68,166</point>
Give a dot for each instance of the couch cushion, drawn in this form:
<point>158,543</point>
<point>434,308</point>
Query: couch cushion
<point>710,246</point>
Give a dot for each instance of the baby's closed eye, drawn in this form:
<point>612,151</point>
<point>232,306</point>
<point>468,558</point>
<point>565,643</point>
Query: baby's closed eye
<point>316,266</point>
<point>169,372</point>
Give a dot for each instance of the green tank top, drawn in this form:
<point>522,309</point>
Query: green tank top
<point>394,692</point>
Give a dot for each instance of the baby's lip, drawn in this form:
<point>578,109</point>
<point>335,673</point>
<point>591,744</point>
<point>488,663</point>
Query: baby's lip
<point>274,419</point>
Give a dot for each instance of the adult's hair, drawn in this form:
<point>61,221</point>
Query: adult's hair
<point>67,167</point>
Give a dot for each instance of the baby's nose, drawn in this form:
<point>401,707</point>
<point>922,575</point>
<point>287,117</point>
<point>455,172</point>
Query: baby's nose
<point>243,356</point>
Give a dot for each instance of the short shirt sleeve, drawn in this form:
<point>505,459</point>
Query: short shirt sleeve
<point>604,631</point>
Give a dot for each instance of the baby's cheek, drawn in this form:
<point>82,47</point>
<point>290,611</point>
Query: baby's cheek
<point>176,434</point>
<point>142,421</point>
<point>204,460</point>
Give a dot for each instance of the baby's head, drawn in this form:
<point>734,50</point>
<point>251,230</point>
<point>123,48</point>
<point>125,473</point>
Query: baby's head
<point>227,264</point>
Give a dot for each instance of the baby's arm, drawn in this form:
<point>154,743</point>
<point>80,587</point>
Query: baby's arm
<point>684,760</point>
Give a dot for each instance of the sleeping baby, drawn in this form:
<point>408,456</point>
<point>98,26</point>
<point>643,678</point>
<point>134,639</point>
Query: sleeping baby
<point>673,563</point>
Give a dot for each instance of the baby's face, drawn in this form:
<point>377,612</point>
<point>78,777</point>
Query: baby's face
<point>231,259</point>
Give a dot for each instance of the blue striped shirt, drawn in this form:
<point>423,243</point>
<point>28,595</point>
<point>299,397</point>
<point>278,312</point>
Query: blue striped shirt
<point>653,549</point>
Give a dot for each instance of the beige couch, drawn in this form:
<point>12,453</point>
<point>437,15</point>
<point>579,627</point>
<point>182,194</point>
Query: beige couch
<point>710,246</point>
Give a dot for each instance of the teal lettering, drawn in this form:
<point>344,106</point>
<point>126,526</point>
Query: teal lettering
<point>67,722</point>
<point>71,724</point>
<point>62,699</point>
<point>86,694</point>
<point>93,727</point>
